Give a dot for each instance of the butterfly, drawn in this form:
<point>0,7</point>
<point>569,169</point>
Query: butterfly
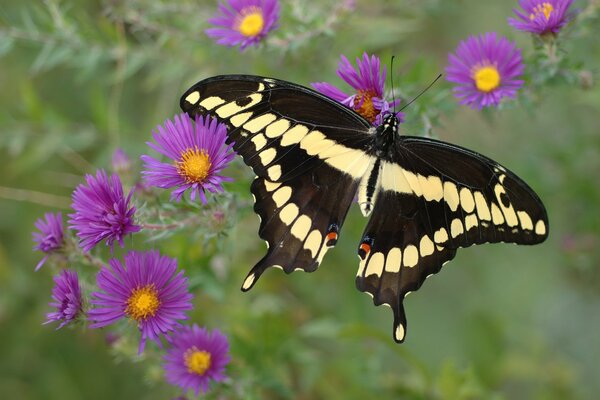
<point>313,157</point>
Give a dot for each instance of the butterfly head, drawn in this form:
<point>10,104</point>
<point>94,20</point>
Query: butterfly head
<point>390,122</point>
<point>386,133</point>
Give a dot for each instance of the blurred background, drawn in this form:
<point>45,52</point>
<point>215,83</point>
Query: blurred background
<point>81,79</point>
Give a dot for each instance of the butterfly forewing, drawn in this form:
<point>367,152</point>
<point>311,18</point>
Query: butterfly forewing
<point>280,129</point>
<point>310,155</point>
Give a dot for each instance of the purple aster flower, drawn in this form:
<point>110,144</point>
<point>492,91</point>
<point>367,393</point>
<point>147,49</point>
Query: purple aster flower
<point>541,16</point>
<point>50,237</point>
<point>67,299</point>
<point>485,69</point>
<point>368,83</point>
<point>102,212</point>
<point>145,289</point>
<point>198,153</point>
<point>120,161</point>
<point>196,358</point>
<point>244,22</point>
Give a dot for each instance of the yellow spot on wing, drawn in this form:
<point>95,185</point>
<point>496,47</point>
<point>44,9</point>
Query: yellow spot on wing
<point>313,242</point>
<point>267,156</point>
<point>466,200</point>
<point>399,332</point>
<point>441,236</point>
<point>227,110</point>
<point>497,216</point>
<point>239,119</point>
<point>540,228</point>
<point>411,256</point>
<point>451,195</point>
<point>294,135</point>
<point>426,246</point>
<point>301,227</point>
<point>525,219</point>
<point>431,187</point>
<point>193,97</point>
<point>282,195</point>
<point>259,141</point>
<point>274,172</point>
<point>211,102</point>
<point>289,213</point>
<point>258,123</point>
<point>483,210</point>
<point>248,281</point>
<point>277,128</point>
<point>456,227</point>
<point>375,265</point>
<point>470,221</point>
<point>271,186</point>
<point>393,260</point>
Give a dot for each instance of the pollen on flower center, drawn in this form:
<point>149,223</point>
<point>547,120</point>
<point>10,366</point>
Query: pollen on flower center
<point>544,8</point>
<point>143,303</point>
<point>251,22</point>
<point>196,361</point>
<point>363,104</point>
<point>486,78</point>
<point>194,165</point>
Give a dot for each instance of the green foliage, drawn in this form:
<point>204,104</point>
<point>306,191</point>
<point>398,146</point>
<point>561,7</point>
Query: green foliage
<point>80,79</point>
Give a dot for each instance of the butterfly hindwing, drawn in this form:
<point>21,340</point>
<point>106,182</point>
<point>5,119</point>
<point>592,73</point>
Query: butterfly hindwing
<point>397,253</point>
<point>426,209</point>
<point>300,219</point>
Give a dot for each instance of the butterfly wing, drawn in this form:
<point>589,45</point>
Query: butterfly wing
<point>306,151</point>
<point>434,198</point>
<point>280,129</point>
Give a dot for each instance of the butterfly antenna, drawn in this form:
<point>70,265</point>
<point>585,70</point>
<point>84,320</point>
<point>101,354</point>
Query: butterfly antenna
<point>392,82</point>
<point>422,92</point>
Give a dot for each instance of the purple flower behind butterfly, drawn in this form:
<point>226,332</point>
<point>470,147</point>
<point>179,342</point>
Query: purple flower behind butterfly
<point>369,84</point>
<point>198,153</point>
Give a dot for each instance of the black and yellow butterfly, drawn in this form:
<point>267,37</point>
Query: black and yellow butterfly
<point>313,157</point>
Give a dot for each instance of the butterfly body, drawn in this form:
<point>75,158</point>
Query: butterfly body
<point>313,157</point>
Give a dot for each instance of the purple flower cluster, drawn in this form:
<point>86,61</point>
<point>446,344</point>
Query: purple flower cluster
<point>102,212</point>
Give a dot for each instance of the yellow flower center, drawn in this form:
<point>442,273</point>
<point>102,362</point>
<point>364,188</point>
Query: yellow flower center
<point>544,8</point>
<point>196,361</point>
<point>251,21</point>
<point>194,165</point>
<point>366,109</point>
<point>143,303</point>
<point>486,78</point>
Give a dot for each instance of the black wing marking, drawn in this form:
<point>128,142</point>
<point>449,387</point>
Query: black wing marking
<point>435,197</point>
<point>282,130</point>
<point>300,219</point>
